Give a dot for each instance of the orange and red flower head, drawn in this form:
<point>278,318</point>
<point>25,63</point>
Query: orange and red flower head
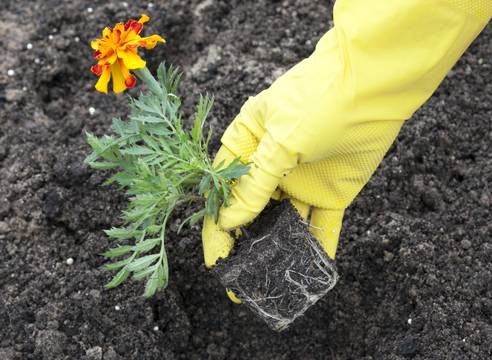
<point>117,53</point>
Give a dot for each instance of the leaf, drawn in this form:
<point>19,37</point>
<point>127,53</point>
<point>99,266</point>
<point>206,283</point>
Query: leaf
<point>144,273</point>
<point>163,275</point>
<point>152,283</point>
<point>147,103</point>
<point>146,245</point>
<point>124,128</point>
<point>162,73</point>
<point>94,143</point>
<point>101,146</point>
<point>159,161</point>
<point>147,199</point>
<point>144,168</point>
<point>225,195</point>
<point>169,77</point>
<point>204,185</point>
<point>101,165</point>
<point>118,251</point>
<point>160,130</point>
<point>91,158</point>
<point>150,142</point>
<point>213,204</point>
<point>192,219</point>
<point>118,126</point>
<point>234,170</point>
<point>153,229</point>
<point>118,264</point>
<point>203,109</point>
<point>136,213</point>
<point>137,150</point>
<point>196,217</point>
<point>121,276</point>
<point>122,178</point>
<point>142,263</point>
<point>149,119</point>
<point>120,233</point>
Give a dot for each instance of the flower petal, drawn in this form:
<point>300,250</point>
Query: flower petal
<point>130,80</point>
<point>118,79</point>
<point>106,33</point>
<point>151,41</point>
<point>131,59</point>
<point>97,69</point>
<point>143,19</point>
<point>133,25</point>
<point>118,33</point>
<point>102,83</point>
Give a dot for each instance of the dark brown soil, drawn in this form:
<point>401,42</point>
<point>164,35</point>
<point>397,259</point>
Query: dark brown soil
<point>416,247</point>
<point>278,269</point>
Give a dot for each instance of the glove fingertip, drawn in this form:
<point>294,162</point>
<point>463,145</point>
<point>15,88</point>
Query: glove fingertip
<point>233,297</point>
<point>233,217</point>
<point>326,226</point>
<point>217,244</point>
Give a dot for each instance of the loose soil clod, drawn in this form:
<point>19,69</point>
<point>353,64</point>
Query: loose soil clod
<point>279,269</point>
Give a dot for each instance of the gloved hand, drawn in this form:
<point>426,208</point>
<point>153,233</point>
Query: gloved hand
<point>319,132</point>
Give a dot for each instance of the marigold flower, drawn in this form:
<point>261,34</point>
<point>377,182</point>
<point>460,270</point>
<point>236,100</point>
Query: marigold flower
<point>117,54</point>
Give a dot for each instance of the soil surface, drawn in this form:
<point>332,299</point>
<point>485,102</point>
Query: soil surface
<point>415,252</point>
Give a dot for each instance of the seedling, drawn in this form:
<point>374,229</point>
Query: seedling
<point>160,164</point>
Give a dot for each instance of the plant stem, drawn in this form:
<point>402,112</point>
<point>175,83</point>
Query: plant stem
<point>146,76</point>
<point>163,253</point>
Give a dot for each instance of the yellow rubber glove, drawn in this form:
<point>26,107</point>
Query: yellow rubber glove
<point>320,131</point>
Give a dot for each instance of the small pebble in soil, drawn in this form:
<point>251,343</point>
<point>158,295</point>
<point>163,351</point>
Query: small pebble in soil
<point>94,353</point>
<point>150,5</point>
<point>156,328</point>
<point>466,244</point>
<point>76,39</point>
<point>10,72</point>
<point>29,46</point>
<point>92,111</point>
<point>37,61</point>
<point>388,256</point>
<point>69,261</point>
<point>89,9</point>
<point>409,321</point>
<point>117,308</point>
<point>124,4</point>
<point>50,37</point>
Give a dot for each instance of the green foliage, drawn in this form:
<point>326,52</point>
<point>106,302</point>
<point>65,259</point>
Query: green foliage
<point>161,166</point>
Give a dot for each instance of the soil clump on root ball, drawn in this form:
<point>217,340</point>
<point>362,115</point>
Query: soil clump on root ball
<point>279,269</point>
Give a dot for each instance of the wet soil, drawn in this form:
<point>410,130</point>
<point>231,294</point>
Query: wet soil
<point>416,247</point>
